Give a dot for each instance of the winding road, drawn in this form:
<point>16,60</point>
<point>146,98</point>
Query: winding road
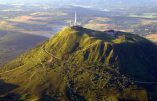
<point>55,57</point>
<point>11,70</point>
<point>50,53</point>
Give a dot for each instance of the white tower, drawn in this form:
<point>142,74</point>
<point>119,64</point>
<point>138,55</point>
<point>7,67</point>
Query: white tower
<point>75,21</point>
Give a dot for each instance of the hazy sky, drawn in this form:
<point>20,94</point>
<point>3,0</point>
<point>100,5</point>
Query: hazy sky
<point>80,1</point>
<point>86,2</point>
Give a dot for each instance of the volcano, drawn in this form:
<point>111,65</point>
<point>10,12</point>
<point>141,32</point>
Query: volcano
<point>80,64</point>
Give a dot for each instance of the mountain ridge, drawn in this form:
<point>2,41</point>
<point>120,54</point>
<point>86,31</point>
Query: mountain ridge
<point>80,64</point>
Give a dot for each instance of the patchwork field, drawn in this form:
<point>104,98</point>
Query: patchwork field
<point>152,37</point>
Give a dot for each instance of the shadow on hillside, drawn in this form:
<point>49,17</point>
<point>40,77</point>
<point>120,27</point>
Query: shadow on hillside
<point>6,87</point>
<point>11,97</point>
<point>139,60</point>
<point>73,96</point>
<point>126,100</point>
<point>47,98</point>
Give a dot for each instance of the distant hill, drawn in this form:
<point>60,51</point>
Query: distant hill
<point>80,64</point>
<point>13,44</point>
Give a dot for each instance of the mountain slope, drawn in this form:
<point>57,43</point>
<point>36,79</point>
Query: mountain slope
<point>80,64</point>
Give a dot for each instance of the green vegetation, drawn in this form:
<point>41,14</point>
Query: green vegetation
<point>80,64</point>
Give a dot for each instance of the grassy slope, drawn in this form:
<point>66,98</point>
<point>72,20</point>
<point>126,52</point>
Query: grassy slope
<point>87,69</point>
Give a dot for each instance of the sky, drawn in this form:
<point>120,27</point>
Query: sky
<point>86,2</point>
<point>78,1</point>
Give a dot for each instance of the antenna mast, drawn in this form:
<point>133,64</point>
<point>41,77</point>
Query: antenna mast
<point>75,23</point>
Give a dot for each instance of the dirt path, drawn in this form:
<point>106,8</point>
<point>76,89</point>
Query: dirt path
<point>50,53</point>
<point>53,56</point>
<point>11,70</point>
